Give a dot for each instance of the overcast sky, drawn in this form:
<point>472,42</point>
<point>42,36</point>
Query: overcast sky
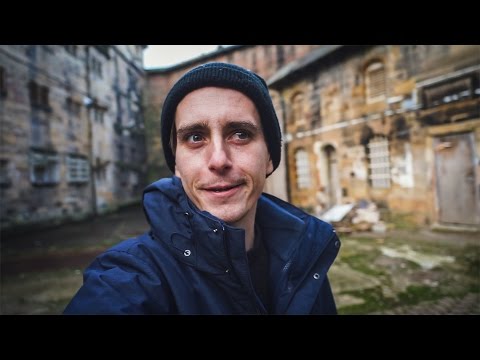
<point>168,55</point>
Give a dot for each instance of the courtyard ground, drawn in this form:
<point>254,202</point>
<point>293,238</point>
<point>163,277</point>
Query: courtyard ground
<point>403,271</point>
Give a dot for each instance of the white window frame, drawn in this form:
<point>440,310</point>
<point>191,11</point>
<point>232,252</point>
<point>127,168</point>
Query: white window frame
<point>47,161</point>
<point>302,167</point>
<point>379,162</point>
<point>78,169</point>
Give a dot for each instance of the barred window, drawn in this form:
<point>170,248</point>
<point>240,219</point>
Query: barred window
<point>375,81</point>
<point>302,166</point>
<point>77,169</point>
<point>379,162</point>
<point>44,168</point>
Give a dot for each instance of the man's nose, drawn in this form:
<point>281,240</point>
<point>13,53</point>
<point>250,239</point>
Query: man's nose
<point>219,157</point>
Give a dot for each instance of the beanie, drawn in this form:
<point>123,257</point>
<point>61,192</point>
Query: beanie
<point>227,76</point>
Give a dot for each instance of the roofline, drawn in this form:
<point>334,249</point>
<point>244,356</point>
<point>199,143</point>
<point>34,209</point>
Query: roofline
<point>285,73</point>
<point>201,58</point>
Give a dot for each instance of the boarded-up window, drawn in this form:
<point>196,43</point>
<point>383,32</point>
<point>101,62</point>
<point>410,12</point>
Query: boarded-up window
<point>298,113</point>
<point>302,167</point>
<point>77,169</point>
<point>446,92</point>
<point>44,168</point>
<point>375,81</point>
<point>379,162</point>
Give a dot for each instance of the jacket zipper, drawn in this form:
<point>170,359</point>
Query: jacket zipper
<point>310,265</point>
<point>251,291</point>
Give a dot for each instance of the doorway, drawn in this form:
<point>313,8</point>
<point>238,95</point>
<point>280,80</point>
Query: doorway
<point>458,200</point>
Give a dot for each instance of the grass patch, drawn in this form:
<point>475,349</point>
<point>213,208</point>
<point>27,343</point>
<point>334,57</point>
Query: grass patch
<point>470,258</point>
<point>376,301</point>
<point>399,221</point>
<point>415,294</point>
<point>362,263</point>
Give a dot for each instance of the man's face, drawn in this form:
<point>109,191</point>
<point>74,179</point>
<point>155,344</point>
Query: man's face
<point>221,155</point>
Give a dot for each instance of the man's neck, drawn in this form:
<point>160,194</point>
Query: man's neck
<point>248,224</point>
<point>249,236</point>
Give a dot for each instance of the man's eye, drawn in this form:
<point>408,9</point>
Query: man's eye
<point>242,135</point>
<point>194,138</point>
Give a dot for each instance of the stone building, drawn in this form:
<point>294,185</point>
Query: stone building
<point>266,60</point>
<point>395,124</point>
<point>72,132</point>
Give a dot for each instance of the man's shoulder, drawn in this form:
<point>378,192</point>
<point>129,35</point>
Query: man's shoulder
<point>280,210</point>
<point>141,246</point>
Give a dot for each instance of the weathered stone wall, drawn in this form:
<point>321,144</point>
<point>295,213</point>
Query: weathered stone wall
<point>58,103</point>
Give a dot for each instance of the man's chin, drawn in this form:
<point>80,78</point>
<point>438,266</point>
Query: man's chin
<point>224,215</point>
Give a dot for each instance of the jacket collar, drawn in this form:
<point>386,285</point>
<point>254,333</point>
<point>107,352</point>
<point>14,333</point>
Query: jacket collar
<point>206,242</point>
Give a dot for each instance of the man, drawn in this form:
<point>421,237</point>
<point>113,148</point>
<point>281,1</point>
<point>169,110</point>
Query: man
<point>217,245</point>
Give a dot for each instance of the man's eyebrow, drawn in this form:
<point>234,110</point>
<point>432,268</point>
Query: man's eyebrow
<point>233,125</point>
<point>186,129</point>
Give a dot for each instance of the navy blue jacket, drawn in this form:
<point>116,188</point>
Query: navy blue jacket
<point>193,263</point>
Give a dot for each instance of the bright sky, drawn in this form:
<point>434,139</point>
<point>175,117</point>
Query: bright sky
<point>168,55</point>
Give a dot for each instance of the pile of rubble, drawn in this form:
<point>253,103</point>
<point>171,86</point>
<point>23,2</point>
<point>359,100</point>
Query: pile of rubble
<point>362,216</point>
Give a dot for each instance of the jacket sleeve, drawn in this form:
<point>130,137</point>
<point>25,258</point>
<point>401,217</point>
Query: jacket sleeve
<point>118,282</point>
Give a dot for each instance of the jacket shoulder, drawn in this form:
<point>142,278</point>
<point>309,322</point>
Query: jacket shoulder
<point>123,280</point>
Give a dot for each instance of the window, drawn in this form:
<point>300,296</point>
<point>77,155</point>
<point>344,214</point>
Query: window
<point>379,162</point>
<point>96,67</point>
<point>375,82</point>
<point>77,169</point>
<point>98,114</point>
<point>280,56</point>
<point>446,92</point>
<point>3,82</point>
<point>44,169</point>
<point>39,96</point>
<point>302,166</point>
<point>4,178</point>
<point>103,49</point>
<point>71,49</point>
<point>298,114</point>
<point>73,107</point>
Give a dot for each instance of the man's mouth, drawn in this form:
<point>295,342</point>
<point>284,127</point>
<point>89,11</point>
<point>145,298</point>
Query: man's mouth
<point>221,188</point>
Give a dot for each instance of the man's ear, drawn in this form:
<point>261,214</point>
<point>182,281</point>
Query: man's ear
<point>269,167</point>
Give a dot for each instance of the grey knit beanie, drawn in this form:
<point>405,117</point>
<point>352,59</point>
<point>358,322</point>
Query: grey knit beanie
<point>226,76</point>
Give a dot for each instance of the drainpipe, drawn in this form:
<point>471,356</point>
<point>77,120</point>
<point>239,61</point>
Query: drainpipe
<point>88,104</point>
<point>285,146</point>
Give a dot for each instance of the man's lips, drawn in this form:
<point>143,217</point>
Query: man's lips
<point>221,187</point>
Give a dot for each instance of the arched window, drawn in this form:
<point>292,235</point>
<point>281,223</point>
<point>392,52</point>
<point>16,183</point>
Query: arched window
<point>375,82</point>
<point>302,167</point>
